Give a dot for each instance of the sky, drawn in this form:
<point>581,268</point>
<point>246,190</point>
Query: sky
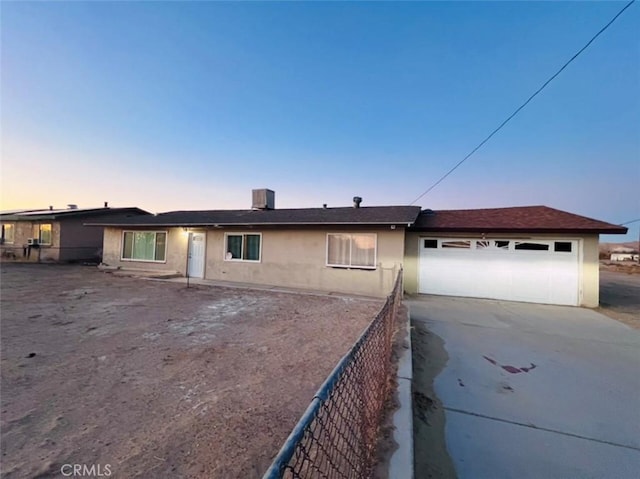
<point>174,105</point>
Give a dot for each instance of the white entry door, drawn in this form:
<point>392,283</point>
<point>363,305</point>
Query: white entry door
<point>196,255</point>
<point>537,271</point>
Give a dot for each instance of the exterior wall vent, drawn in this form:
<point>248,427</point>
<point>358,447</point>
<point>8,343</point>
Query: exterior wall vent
<point>263,199</point>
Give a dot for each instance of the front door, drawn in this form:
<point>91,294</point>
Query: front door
<point>196,255</point>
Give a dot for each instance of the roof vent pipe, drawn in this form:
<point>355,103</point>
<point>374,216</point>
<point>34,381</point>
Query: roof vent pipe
<point>324,205</point>
<point>356,201</point>
<point>106,204</point>
<point>72,206</point>
<point>50,207</point>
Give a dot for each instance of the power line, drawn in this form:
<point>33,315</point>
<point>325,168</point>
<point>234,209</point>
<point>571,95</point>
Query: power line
<point>629,222</point>
<point>525,103</point>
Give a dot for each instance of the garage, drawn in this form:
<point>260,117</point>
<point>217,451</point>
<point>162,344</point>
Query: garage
<point>532,254</point>
<point>528,270</point>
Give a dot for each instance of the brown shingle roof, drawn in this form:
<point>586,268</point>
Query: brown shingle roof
<point>366,215</point>
<point>532,219</point>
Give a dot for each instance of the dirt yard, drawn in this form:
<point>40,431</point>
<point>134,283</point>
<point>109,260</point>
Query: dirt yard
<point>620,294</point>
<point>156,380</point>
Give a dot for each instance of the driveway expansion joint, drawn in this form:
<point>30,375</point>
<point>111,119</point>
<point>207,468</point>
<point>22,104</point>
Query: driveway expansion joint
<point>539,428</point>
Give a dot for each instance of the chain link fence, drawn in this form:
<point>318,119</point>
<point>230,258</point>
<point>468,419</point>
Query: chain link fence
<point>337,435</point>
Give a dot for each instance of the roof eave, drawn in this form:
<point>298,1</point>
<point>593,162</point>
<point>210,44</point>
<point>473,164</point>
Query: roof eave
<point>60,215</point>
<point>204,225</point>
<point>613,230</point>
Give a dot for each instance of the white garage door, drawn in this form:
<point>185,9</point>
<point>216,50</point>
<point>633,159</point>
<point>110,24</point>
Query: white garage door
<point>536,271</point>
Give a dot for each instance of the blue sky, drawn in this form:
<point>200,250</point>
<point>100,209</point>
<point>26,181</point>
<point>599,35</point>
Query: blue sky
<point>168,105</point>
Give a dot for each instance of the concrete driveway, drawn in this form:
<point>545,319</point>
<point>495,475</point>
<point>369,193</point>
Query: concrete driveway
<point>529,391</point>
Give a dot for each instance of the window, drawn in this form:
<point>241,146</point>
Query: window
<point>44,234</point>
<point>562,247</point>
<point>531,246</point>
<point>7,233</point>
<point>346,250</point>
<point>430,243</point>
<point>464,244</point>
<point>243,247</point>
<point>492,245</point>
<point>144,246</point>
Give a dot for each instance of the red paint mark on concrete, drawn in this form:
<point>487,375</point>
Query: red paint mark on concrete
<point>492,361</point>
<point>510,369</point>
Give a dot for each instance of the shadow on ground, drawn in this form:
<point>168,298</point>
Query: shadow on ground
<point>429,358</point>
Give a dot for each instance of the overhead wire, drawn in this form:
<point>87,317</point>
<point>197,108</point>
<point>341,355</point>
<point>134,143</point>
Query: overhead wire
<point>629,222</point>
<point>524,104</point>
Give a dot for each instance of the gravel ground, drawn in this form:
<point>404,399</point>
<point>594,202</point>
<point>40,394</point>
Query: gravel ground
<point>156,380</point>
<point>620,294</point>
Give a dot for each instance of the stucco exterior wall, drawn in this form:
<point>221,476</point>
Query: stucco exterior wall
<point>590,272</point>
<point>20,251</point>
<point>70,238</point>
<point>290,258</point>
<point>176,255</point>
<point>588,256</point>
<point>297,258</point>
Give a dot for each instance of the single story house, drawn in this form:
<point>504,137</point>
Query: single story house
<point>56,235</point>
<point>534,253</point>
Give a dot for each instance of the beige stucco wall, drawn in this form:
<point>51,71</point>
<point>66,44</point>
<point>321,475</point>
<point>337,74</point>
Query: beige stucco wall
<point>589,270</point>
<point>297,258</point>
<point>176,255</point>
<point>23,230</point>
<point>70,238</point>
<point>290,258</point>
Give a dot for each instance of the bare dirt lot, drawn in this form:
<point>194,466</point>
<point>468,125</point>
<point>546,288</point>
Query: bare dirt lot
<point>157,380</point>
<point>620,295</point>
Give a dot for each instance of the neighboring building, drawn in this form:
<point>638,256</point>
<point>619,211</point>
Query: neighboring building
<point>535,254</point>
<point>56,235</point>
<point>624,254</point>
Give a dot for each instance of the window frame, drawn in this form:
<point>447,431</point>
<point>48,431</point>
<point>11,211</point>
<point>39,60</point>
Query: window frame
<point>453,244</point>
<point>556,244</point>
<point>241,260</point>
<point>492,245</point>
<point>155,232</point>
<point>506,244</point>
<point>433,243</point>
<point>13,233</point>
<point>350,266</point>
<point>40,242</point>
<point>538,246</point>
